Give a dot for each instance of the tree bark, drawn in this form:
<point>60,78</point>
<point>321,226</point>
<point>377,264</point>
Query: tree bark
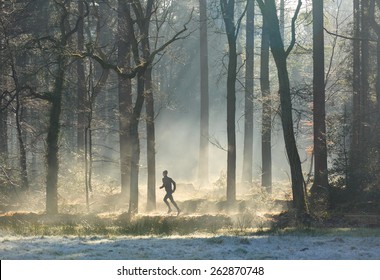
<point>356,81</point>
<point>228,10</point>
<point>52,140</point>
<point>81,86</point>
<point>21,144</point>
<point>280,56</point>
<point>364,79</point>
<point>248,98</point>
<point>203,171</point>
<point>3,111</point>
<point>135,145</point>
<point>282,19</point>
<point>320,185</point>
<point>151,141</point>
<point>125,102</point>
<point>3,131</point>
<point>376,27</point>
<point>266,130</point>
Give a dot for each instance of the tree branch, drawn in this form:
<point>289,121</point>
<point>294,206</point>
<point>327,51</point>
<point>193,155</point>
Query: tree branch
<point>347,37</point>
<point>238,25</point>
<point>289,49</point>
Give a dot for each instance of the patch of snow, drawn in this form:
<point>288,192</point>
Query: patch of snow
<point>190,247</point>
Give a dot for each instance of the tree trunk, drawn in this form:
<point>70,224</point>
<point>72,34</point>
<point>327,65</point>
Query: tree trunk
<point>376,27</point>
<point>81,86</point>
<point>21,144</point>
<point>364,77</point>
<point>151,140</point>
<point>3,113</point>
<point>125,103</point>
<point>355,141</point>
<point>266,130</point>
<point>52,141</point>
<point>228,10</point>
<point>320,185</point>
<point>149,98</point>
<point>19,62</point>
<point>204,117</point>
<point>3,131</point>
<point>282,19</point>
<point>378,77</point>
<point>135,145</point>
<point>248,99</point>
<point>280,57</point>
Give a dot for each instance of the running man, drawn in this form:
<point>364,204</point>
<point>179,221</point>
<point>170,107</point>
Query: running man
<point>167,184</point>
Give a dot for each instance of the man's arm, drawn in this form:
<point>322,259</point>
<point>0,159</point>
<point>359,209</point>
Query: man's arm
<point>174,185</point>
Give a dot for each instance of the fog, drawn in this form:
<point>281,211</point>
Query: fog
<point>177,101</point>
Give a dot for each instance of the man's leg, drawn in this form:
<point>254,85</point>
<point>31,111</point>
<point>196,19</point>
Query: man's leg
<point>174,203</point>
<point>167,203</point>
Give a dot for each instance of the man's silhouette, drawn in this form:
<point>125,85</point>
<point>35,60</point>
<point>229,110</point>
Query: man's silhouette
<point>167,183</point>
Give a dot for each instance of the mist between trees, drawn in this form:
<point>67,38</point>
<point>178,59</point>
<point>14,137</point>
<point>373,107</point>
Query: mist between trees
<point>235,99</point>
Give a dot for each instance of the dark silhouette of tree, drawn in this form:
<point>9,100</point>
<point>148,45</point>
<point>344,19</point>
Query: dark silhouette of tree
<point>203,168</point>
<point>228,12</point>
<point>125,101</point>
<point>81,85</point>
<point>269,11</point>
<point>55,98</point>
<point>266,129</point>
<point>360,142</point>
<point>248,99</point>
<point>320,185</point>
<point>376,27</point>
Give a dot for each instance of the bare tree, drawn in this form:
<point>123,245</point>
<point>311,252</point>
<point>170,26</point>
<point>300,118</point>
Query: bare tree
<point>55,98</point>
<point>203,168</point>
<point>268,9</point>
<point>228,11</point>
<point>248,99</point>
<point>376,27</point>
<point>266,129</point>
<point>125,101</point>
<point>320,185</point>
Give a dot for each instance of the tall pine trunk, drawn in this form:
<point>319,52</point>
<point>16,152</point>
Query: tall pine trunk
<point>21,142</point>
<point>135,145</point>
<point>125,103</point>
<point>228,10</point>
<point>355,141</point>
<point>364,79</point>
<point>52,159</point>
<point>320,185</point>
<point>81,86</point>
<point>3,112</point>
<point>280,56</point>
<point>3,130</point>
<point>248,98</point>
<point>266,129</point>
<point>203,171</point>
<point>151,141</point>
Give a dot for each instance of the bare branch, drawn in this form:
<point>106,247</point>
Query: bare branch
<point>347,37</point>
<point>238,25</point>
<point>294,28</point>
<point>173,39</point>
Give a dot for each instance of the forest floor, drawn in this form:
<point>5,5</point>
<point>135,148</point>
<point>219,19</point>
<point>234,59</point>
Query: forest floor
<point>346,245</point>
<point>258,227</point>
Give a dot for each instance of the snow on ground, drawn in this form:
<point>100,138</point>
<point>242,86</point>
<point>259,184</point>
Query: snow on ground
<point>196,247</point>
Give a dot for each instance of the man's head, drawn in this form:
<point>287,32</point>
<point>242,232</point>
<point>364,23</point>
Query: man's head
<point>165,173</point>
